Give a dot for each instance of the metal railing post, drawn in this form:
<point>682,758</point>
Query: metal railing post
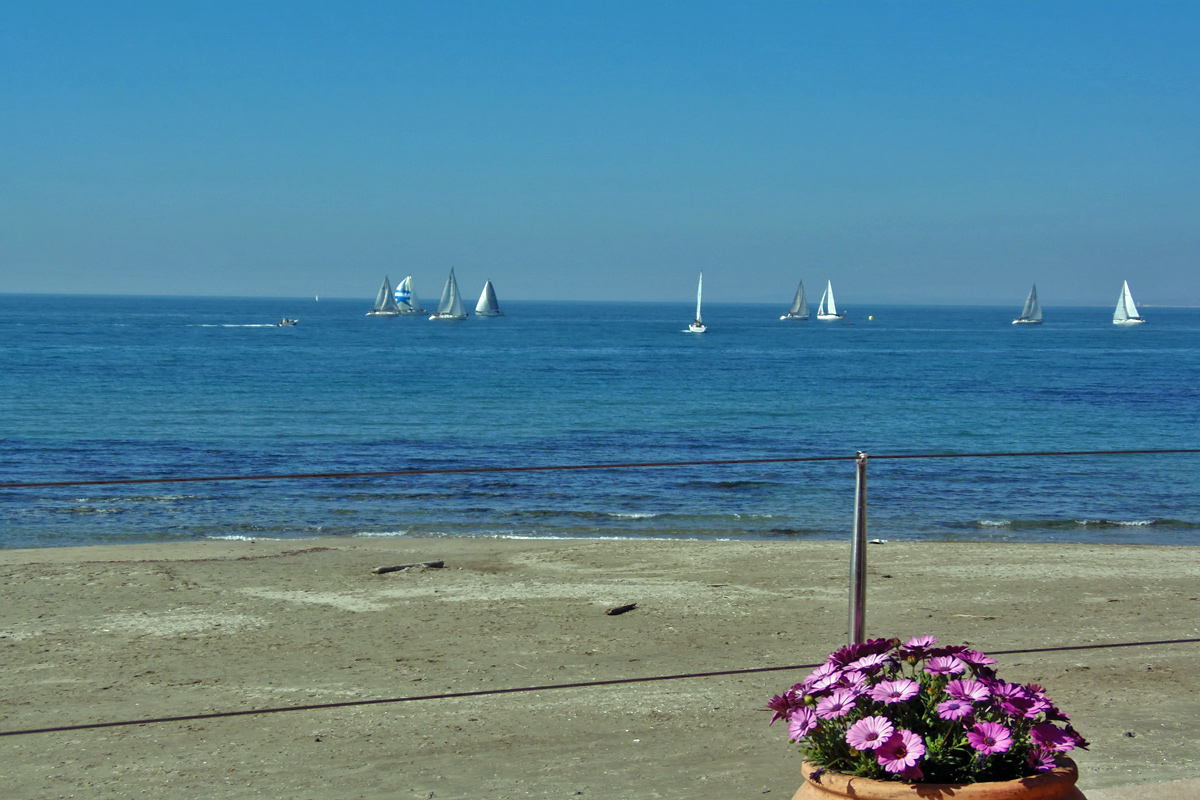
<point>858,556</point>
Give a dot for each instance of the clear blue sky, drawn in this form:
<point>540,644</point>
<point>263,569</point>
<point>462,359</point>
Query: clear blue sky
<point>908,151</point>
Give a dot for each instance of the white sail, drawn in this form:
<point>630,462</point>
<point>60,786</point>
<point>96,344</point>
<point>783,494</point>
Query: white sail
<point>799,309</point>
<point>1126,312</point>
<point>488,305</point>
<point>385,303</point>
<point>450,307</point>
<point>828,308</point>
<point>1031,314</point>
<point>698,326</point>
<point>406,297</point>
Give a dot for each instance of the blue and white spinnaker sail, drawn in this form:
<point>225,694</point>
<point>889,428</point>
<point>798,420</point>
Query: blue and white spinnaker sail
<point>406,297</point>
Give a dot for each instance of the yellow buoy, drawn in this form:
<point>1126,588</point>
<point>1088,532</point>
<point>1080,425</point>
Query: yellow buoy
<point>870,319</point>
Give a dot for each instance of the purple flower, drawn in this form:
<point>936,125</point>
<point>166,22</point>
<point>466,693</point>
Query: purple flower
<point>1017,707</point>
<point>801,723</point>
<point>1040,760</point>
<point>1055,715</point>
<point>818,675</point>
<point>976,658</point>
<point>837,704</point>
<point>902,751</point>
<point>912,775</point>
<point>1037,705</point>
<point>825,682</point>
<point>820,672</point>
<point>894,691</point>
<point>783,704</point>
<point>954,709</point>
<point>990,737</point>
<point>854,681</point>
<point>853,652</point>
<point>915,648</point>
<point>969,690</point>
<point>944,665</point>
<point>1002,690</point>
<point>1039,702</point>
<point>1051,737</point>
<point>1011,698</point>
<point>869,733</point>
<point>870,663</point>
<point>1080,742</point>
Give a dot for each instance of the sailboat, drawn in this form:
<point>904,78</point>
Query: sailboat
<point>1126,313</point>
<point>1031,314</point>
<point>698,326</point>
<point>487,305</point>
<point>385,304</point>
<point>406,297</point>
<point>450,307</point>
<point>799,309</point>
<point>828,309</point>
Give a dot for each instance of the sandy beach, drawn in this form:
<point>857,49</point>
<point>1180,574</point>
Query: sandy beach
<point>121,634</point>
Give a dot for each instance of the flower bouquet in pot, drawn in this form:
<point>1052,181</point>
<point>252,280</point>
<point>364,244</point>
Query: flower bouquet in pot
<point>919,713</point>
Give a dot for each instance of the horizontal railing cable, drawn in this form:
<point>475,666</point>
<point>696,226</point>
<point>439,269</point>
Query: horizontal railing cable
<point>526,689</point>
<point>569,467</point>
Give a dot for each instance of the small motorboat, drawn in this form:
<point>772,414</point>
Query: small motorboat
<point>287,322</point>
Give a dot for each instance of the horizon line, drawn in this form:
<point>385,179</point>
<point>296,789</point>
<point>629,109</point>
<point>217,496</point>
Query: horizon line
<point>357,298</point>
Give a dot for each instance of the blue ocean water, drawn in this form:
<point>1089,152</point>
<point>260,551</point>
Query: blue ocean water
<point>132,387</point>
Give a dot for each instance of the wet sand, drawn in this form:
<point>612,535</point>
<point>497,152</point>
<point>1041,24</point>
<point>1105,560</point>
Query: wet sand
<point>112,634</point>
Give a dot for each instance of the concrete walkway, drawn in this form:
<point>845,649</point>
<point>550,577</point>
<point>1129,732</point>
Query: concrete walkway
<point>1175,790</point>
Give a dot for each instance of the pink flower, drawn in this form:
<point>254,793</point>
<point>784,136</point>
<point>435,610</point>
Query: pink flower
<point>976,658</point>
<point>1002,690</point>
<point>902,751</point>
<point>783,705</point>
<point>1051,738</point>
<point>944,665</point>
<point>854,681</point>
<point>1080,742</point>
<point>894,691</point>
<point>1055,715</point>
<point>1036,706</point>
<point>801,722</point>
<point>989,737</point>
<point>853,652</point>
<point>954,709</point>
<point>838,704</point>
<point>869,733</point>
<point>870,663</point>
<point>912,775</point>
<point>1040,760</point>
<point>969,690</point>
<point>916,648</point>
<point>819,673</point>
<point>825,682</point>
<point>1017,707</point>
<point>1011,698</point>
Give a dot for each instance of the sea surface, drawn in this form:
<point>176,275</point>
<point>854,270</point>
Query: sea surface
<point>98,388</point>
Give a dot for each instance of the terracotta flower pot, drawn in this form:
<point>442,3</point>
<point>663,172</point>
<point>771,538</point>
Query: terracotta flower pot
<point>1058,784</point>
